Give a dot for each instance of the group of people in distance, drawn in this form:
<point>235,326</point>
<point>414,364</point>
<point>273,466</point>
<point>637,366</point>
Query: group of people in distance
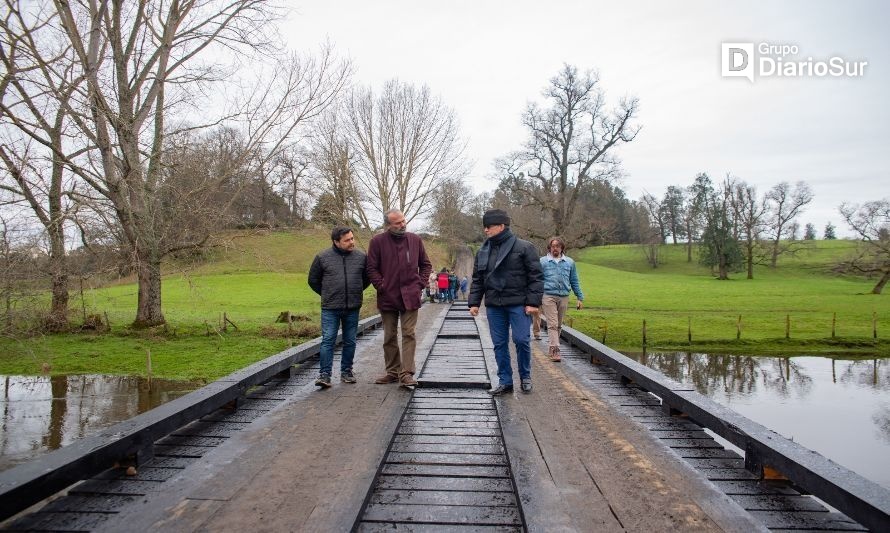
<point>515,284</point>
<point>443,286</point>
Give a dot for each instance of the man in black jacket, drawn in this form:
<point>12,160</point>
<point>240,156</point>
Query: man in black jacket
<point>507,274</point>
<point>338,274</point>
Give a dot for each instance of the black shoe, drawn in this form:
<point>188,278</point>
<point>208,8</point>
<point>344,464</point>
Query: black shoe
<point>323,382</point>
<point>501,389</point>
<point>526,385</point>
<point>347,377</point>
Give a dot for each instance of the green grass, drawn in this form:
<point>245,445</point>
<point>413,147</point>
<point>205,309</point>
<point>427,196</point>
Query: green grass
<point>249,277</point>
<point>621,291</point>
<point>254,277</point>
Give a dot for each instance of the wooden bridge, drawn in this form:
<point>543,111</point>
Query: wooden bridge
<point>611,446</point>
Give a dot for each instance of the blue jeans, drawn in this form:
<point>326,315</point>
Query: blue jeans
<point>331,320</point>
<point>500,321</point>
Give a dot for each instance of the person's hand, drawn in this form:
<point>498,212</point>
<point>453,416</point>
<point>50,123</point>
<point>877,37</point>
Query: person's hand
<point>474,311</point>
<point>530,310</point>
<point>580,305</point>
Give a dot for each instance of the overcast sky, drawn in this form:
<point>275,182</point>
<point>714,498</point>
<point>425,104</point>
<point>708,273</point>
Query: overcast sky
<point>487,59</point>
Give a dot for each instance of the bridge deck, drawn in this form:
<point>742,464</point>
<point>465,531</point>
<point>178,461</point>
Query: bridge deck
<point>580,453</point>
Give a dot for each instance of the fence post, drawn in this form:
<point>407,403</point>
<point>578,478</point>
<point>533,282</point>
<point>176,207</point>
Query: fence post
<point>874,324</point>
<point>788,326</point>
<point>689,329</point>
<point>738,328</point>
<point>605,330</point>
<point>644,333</point>
<point>833,323</point>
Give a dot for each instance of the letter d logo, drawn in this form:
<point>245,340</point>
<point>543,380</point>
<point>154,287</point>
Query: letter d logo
<point>737,60</point>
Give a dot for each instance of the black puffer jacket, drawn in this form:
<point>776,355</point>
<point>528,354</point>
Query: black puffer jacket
<point>340,278</point>
<point>507,272</point>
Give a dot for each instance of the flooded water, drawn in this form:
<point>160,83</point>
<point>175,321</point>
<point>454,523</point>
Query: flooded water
<point>42,413</point>
<point>837,407</point>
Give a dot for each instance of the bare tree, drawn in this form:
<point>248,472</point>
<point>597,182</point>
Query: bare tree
<point>750,212</point>
<point>871,221</point>
<point>571,142</point>
<point>785,204</point>
<point>406,143</point>
<point>656,214</point>
<point>146,61</point>
<point>334,160</point>
<point>35,98</point>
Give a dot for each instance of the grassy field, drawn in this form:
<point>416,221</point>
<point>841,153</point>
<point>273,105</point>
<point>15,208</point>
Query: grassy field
<point>621,291</point>
<point>254,277</point>
<point>249,277</point>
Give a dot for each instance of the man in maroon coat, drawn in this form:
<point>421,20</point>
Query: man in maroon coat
<point>398,267</point>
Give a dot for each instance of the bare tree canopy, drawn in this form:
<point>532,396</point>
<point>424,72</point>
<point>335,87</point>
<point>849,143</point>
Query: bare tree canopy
<point>571,143</point>
<point>405,143</point>
<point>785,204</point>
<point>147,62</point>
<point>871,221</point>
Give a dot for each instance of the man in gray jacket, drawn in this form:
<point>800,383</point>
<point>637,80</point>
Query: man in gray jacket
<point>338,274</point>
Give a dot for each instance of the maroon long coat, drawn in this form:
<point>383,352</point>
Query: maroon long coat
<point>398,269</point>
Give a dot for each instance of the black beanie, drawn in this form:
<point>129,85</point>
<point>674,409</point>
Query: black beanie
<point>495,216</point>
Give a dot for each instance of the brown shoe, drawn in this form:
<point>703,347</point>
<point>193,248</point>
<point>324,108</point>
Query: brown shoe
<point>408,381</point>
<point>554,354</point>
<point>386,378</point>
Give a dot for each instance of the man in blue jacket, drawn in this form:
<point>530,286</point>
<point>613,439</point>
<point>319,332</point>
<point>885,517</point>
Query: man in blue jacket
<point>338,274</point>
<point>560,277</point>
<point>507,274</point>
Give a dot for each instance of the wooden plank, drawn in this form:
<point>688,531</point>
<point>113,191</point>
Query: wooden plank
<point>389,527</point>
<point>442,514</point>
<point>90,503</point>
<point>64,521</point>
<point>486,449</point>
<point>446,439</point>
<point>446,470</point>
<point>807,520</point>
<point>445,483</point>
<point>775,502</point>
<point>755,487</point>
<point>446,458</point>
<point>443,497</point>
<point>117,486</point>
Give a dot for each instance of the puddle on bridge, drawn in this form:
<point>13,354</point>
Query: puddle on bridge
<point>837,407</point>
<point>42,413</point>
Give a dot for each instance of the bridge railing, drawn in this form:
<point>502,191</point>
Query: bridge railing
<point>31,482</point>
<point>861,499</point>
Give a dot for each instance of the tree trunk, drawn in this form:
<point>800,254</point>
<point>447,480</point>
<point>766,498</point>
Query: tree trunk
<point>883,281</point>
<point>148,311</point>
<point>750,260</point>
<point>58,315</point>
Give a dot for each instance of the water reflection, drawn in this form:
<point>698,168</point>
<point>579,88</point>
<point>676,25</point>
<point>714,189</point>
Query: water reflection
<point>42,413</point>
<point>837,407</point>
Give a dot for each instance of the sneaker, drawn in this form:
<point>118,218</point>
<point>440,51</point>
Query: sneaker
<point>537,336</point>
<point>526,385</point>
<point>386,378</point>
<point>347,377</point>
<point>408,381</point>
<point>323,381</point>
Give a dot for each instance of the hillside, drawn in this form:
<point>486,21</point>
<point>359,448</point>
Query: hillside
<point>249,276</point>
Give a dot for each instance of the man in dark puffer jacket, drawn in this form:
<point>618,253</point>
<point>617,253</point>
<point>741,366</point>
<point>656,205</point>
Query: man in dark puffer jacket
<point>507,273</point>
<point>338,274</point>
